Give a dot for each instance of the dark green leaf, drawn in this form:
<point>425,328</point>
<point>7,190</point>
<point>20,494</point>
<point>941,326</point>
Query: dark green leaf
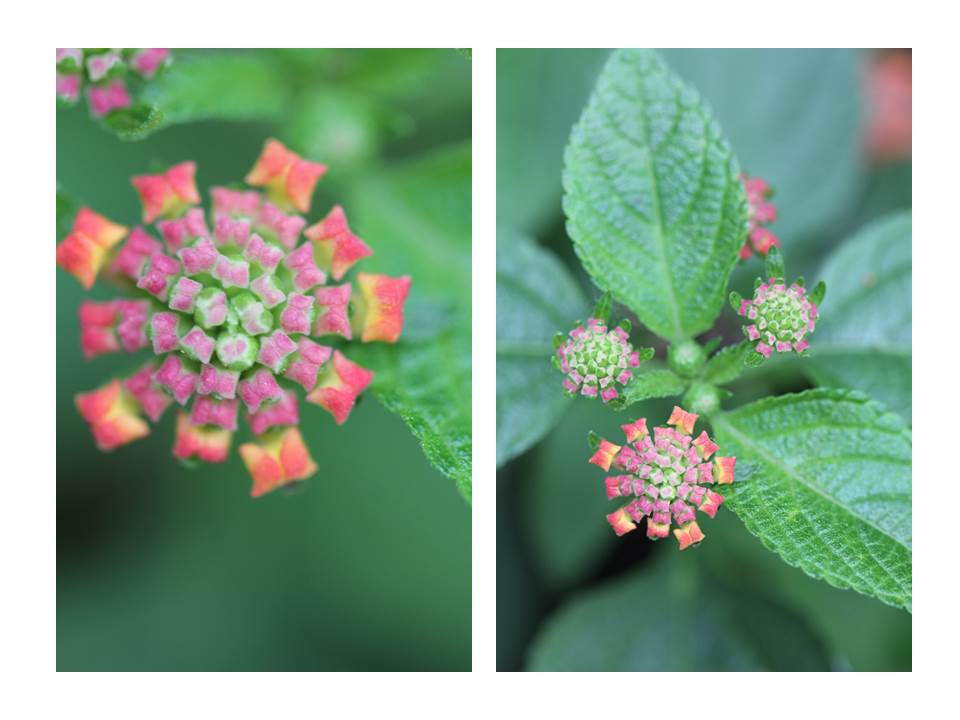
<point>540,93</point>
<point>774,264</point>
<point>653,384</point>
<point>66,211</point>
<point>831,491</point>
<point>863,336</point>
<point>789,113</point>
<point>675,617</point>
<point>417,219</point>
<point>536,297</point>
<point>653,200</point>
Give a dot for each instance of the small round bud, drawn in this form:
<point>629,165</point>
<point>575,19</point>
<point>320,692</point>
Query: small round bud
<point>686,358</point>
<point>702,398</point>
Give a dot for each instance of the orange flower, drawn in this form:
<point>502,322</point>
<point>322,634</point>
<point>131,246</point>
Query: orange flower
<point>112,414</point>
<point>205,442</point>
<point>83,252</point>
<point>336,247</point>
<point>168,194</point>
<point>340,382</point>
<point>289,179</point>
<point>278,459</point>
<point>379,313</point>
<point>682,419</point>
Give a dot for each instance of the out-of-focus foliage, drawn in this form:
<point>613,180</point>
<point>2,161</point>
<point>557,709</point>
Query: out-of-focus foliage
<point>367,566</point>
<point>555,549</point>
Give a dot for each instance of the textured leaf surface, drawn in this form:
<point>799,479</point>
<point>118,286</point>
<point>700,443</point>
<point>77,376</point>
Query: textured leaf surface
<point>830,490</point>
<point>417,219</point>
<point>863,337</point>
<point>675,617</point>
<point>214,85</point>
<point>653,202</point>
<point>536,298</point>
<point>789,113</point>
<point>726,365</point>
<point>653,384</point>
<point>540,93</point>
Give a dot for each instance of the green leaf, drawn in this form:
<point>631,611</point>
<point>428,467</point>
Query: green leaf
<point>653,384</point>
<point>789,113</point>
<point>831,488</point>
<point>540,93</point>
<point>863,335</point>
<point>653,202</point>
<point>212,85</point>
<point>773,265</point>
<point>726,365</point>
<point>601,310</point>
<point>536,297</point>
<point>675,617</point>
<point>66,211</point>
<point>416,216</point>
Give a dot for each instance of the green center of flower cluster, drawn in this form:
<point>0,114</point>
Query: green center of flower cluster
<point>782,314</point>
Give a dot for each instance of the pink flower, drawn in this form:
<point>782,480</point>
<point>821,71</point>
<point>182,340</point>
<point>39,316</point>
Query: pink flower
<point>102,72</point>
<point>596,360</point>
<point>760,213</point>
<point>780,317</point>
<point>667,476</point>
<point>229,313</point>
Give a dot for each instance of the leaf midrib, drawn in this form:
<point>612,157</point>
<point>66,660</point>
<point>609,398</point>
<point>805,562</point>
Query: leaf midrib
<point>789,471</point>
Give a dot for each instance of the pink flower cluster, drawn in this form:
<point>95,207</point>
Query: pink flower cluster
<point>596,360</point>
<point>668,476</point>
<point>230,310</point>
<point>781,317</point>
<point>760,213</point>
<point>105,72</point>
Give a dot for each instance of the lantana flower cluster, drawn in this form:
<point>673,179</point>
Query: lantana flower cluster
<point>760,213</point>
<point>780,317</point>
<point>103,73</point>
<point>230,310</point>
<point>596,359</point>
<point>668,476</point>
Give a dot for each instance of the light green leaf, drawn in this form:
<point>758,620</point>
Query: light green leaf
<point>727,364</point>
<point>540,93</point>
<point>830,490</point>
<point>863,336</point>
<point>536,297</point>
<point>789,113</point>
<point>653,384</point>
<point>653,200</point>
<point>416,217</point>
<point>212,85</point>
<point>675,617</point>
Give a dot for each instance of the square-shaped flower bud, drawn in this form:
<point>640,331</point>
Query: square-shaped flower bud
<point>97,328</point>
<point>275,351</point>
<point>219,382</point>
<point>283,412</point>
<point>605,454</point>
<point>254,317</point>
<point>235,203</point>
<point>277,459</point>
<point>184,231</point>
<point>339,384</point>
<point>177,377</point>
<point>379,314</point>
<point>620,522</point>
<point>197,345</point>
<point>278,227</point>
<point>688,535</point>
<point>167,194</point>
<point>332,307</point>
<point>236,350</point>
<point>211,308</point>
<point>306,363</point>
<point>100,64</point>
<point>164,331</point>
<point>206,443</point>
<point>159,275</point>
<point>298,314</point>
<point>289,179</point>
<point>336,248</point>
<point>147,61</point>
<point>132,328</point>
<point>305,273</point>
<point>112,415</point>
<point>262,255</point>
<point>70,59</point>
<point>258,387</point>
<point>266,289</point>
<point>184,294</point>
<point>135,253</point>
<point>231,232</point>
<point>68,86</point>
<point>147,392</point>
<point>208,410</point>
<point>231,273</point>
<point>83,252</point>
<point>104,99</point>
<point>199,258</point>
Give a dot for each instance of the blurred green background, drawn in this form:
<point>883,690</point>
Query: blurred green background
<point>830,130</point>
<point>367,565</point>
